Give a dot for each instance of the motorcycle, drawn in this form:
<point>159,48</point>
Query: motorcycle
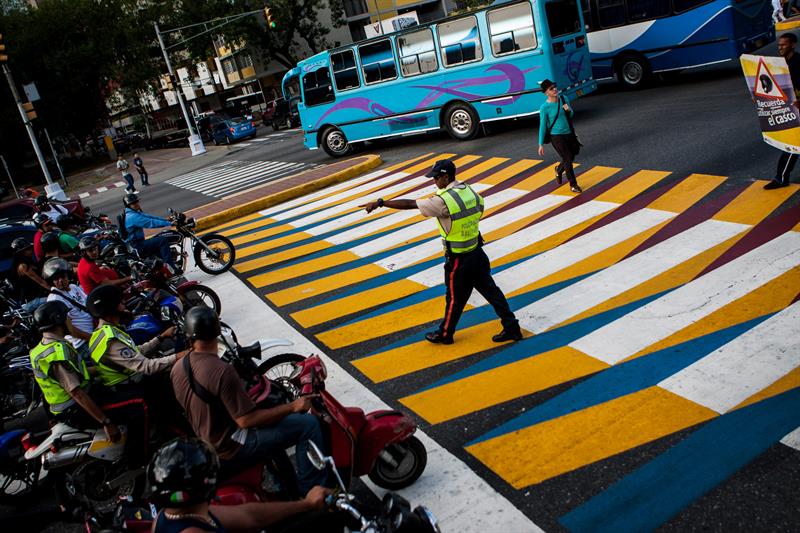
<point>153,312</point>
<point>152,273</point>
<point>213,253</point>
<point>380,444</point>
<point>18,475</point>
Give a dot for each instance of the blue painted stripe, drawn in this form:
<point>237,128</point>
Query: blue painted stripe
<point>657,491</point>
<point>624,379</point>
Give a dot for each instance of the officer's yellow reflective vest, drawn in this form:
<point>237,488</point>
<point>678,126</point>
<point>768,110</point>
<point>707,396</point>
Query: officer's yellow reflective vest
<point>42,357</point>
<point>110,374</point>
<point>466,208</point>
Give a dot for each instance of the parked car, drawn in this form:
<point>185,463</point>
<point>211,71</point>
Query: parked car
<point>225,130</point>
<point>285,114</point>
<point>23,209</point>
<point>269,112</point>
<point>10,230</point>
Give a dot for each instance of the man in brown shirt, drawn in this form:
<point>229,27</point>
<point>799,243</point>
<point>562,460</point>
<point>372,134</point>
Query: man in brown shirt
<point>222,414</point>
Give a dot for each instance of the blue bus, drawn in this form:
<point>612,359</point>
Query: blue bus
<point>451,74</point>
<point>632,39</point>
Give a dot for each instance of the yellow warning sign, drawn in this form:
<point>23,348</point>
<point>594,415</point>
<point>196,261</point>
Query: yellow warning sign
<point>770,85</point>
<point>765,84</point>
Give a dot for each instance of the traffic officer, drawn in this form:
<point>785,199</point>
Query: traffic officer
<point>458,209</point>
<point>62,374</point>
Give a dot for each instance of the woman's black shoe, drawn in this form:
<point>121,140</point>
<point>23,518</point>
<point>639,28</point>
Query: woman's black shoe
<point>436,337</point>
<point>508,335</point>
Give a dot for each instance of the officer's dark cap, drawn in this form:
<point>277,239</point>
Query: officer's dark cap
<point>443,166</point>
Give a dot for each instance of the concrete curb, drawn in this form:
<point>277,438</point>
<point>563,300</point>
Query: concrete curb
<point>227,215</point>
<point>788,24</point>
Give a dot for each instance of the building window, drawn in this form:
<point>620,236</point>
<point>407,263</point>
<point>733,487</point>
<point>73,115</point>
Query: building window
<point>377,61</point>
<point>511,29</point>
<point>459,41</point>
<point>417,54</point>
<point>317,88</point>
<point>228,66</point>
<point>345,71</point>
<point>353,8</point>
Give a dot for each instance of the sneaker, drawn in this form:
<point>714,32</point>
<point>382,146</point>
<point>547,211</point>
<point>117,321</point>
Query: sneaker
<point>775,184</point>
<point>575,188</point>
<point>508,335</point>
<point>436,337</point>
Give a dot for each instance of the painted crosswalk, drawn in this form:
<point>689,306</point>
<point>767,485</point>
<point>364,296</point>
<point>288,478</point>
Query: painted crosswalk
<point>229,177</point>
<point>660,315</point>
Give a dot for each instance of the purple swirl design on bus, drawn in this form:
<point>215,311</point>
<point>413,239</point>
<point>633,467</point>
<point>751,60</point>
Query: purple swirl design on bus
<point>506,72</point>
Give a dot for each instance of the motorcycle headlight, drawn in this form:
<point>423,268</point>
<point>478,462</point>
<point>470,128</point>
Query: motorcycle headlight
<point>166,313</point>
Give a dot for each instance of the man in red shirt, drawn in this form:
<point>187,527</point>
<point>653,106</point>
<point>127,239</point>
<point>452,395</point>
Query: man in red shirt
<point>44,224</point>
<point>90,274</point>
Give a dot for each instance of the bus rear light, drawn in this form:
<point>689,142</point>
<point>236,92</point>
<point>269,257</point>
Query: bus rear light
<point>580,41</point>
<point>558,48</point>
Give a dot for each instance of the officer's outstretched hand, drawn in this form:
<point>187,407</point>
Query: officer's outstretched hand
<point>370,207</point>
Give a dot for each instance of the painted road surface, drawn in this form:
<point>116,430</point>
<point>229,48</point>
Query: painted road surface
<point>658,382</point>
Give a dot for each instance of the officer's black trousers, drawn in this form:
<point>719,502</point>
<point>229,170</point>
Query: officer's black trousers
<point>464,272</point>
<point>786,163</point>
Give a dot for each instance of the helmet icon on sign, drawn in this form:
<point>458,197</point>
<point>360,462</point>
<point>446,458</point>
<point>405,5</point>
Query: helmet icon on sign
<point>766,83</point>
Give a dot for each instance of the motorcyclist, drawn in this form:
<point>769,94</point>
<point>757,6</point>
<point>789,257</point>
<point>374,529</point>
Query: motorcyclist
<point>182,477</point>
<point>240,432</point>
<point>62,375</point>
<point>136,221</point>
<point>66,233</point>
<point>25,275</point>
<point>44,224</point>
<point>42,204</point>
<point>58,273</point>
<point>90,274</point>
<point>51,246</point>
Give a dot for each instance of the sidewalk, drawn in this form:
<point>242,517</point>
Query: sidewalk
<point>275,192</point>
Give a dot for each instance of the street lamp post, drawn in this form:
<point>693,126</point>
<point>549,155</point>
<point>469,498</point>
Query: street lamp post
<point>195,141</point>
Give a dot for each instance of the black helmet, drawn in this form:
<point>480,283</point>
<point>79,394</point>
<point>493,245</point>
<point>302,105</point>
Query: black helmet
<point>40,218</point>
<point>41,200</point>
<point>49,241</point>
<point>202,323</point>
<point>55,266</point>
<point>19,244</point>
<point>87,243</point>
<point>182,473</point>
<point>64,221</point>
<point>130,199</point>
<point>104,300</point>
<point>51,314</point>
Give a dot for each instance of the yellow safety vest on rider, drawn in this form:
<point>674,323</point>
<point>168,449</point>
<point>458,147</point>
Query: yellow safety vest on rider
<point>42,357</point>
<point>98,344</point>
<point>466,208</point>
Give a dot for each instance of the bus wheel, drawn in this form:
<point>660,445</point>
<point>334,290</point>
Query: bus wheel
<point>632,71</point>
<point>461,122</point>
<point>335,143</point>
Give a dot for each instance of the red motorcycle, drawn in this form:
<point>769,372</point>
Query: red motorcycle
<point>380,444</point>
<point>154,274</point>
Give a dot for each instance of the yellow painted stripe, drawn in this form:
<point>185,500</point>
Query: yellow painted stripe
<point>502,384</point>
<point>384,324</point>
<point>769,298</point>
<point>271,259</point>
<point>687,193</point>
<point>263,234</point>
<point>512,170</point>
<point>542,177</point>
<point>302,269</point>
<point>227,225</point>
<point>427,164</point>
<point>481,167</point>
<point>632,186</point>
<point>753,204</point>
<point>401,164</point>
<point>247,251</point>
<point>787,382</point>
<point>588,179</point>
<point>555,447</point>
<point>321,286</point>
<point>247,227</point>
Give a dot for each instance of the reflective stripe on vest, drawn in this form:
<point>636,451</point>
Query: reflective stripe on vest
<point>42,357</point>
<point>110,374</point>
<point>465,207</point>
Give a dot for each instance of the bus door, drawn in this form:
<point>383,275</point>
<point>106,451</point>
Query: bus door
<point>572,68</point>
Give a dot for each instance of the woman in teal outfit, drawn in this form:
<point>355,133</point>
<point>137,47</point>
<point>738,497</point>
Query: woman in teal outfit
<point>555,121</point>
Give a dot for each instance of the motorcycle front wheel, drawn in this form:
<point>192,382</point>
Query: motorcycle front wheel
<point>222,258</point>
<point>202,295</point>
<point>400,464</point>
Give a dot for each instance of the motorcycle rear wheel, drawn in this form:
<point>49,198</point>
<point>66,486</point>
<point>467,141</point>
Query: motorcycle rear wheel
<point>202,295</point>
<point>410,459</point>
<point>222,246</point>
<point>278,368</point>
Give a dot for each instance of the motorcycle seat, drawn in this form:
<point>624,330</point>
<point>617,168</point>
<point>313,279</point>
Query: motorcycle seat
<point>252,351</point>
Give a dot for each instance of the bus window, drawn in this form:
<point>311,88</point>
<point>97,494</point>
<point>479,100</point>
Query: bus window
<point>417,54</point>
<point>511,29</point>
<point>459,41</point>
<point>639,10</point>
<point>587,14</point>
<point>377,62</point>
<point>610,13</point>
<point>686,5</point>
<point>562,17</point>
<point>345,72</point>
<point>317,88</point>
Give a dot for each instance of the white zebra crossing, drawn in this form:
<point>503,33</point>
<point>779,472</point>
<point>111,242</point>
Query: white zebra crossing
<point>229,177</point>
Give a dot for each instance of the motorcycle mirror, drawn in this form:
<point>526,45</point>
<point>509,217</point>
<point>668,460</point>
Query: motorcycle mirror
<point>316,456</point>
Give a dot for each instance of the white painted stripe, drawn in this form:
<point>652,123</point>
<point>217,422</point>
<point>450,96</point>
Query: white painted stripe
<point>208,171</point>
<point>241,145</point>
<point>102,189</point>
<point>457,496</point>
<point>252,176</point>
<point>323,192</point>
<point>616,279</point>
<point>346,206</point>
<point>332,200</point>
<point>514,242</point>
<point>84,195</point>
<point>693,301</point>
<point>792,439</point>
<point>244,171</point>
<point>745,366</point>
<point>119,183</point>
<point>574,251</point>
<point>263,179</point>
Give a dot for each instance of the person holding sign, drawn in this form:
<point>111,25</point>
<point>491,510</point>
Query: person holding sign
<point>786,162</point>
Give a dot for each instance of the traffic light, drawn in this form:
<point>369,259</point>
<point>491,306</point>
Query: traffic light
<point>3,56</point>
<point>268,18</point>
<point>28,107</point>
